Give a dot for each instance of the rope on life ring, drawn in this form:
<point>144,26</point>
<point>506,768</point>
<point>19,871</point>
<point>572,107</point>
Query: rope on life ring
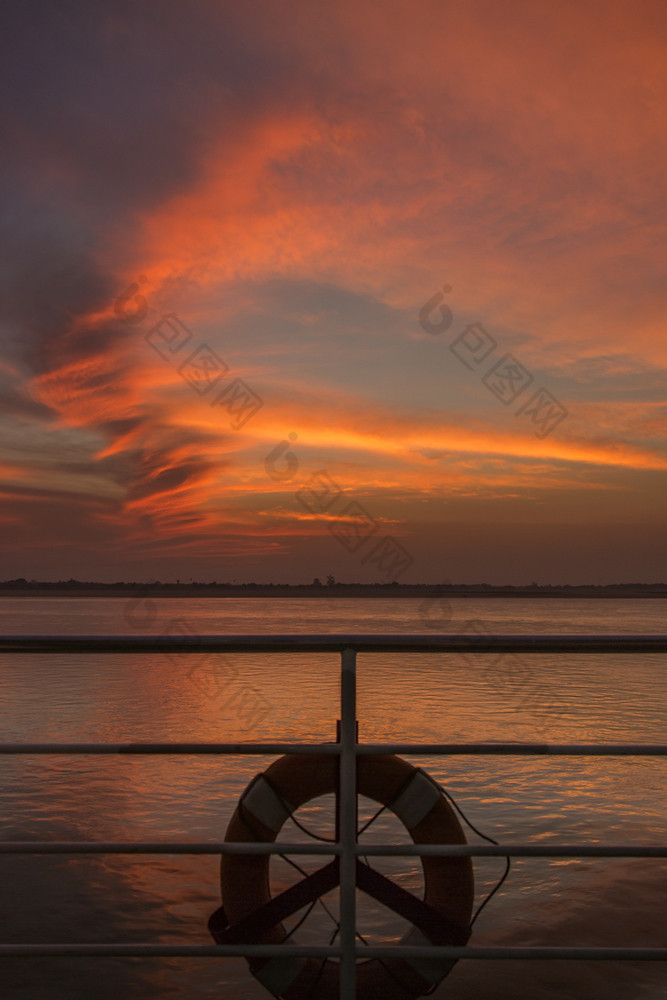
<point>250,915</point>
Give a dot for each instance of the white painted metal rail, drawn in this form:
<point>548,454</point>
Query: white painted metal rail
<point>348,749</point>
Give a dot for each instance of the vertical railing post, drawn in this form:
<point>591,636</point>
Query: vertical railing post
<point>348,823</point>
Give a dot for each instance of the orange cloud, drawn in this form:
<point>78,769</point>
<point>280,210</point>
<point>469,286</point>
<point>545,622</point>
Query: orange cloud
<point>517,156</point>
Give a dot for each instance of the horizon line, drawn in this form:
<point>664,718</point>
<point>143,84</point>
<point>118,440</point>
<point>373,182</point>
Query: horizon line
<point>22,583</point>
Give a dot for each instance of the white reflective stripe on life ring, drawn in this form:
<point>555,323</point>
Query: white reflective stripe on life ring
<point>262,802</point>
<point>430,969</point>
<point>416,801</point>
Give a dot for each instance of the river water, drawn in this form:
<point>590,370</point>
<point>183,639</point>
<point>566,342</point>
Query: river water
<point>401,697</point>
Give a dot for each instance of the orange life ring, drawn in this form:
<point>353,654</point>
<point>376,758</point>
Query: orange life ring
<point>414,797</point>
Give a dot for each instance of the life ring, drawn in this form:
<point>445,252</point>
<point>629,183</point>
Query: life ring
<point>413,796</point>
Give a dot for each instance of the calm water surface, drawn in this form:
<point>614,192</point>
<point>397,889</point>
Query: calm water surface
<point>416,698</point>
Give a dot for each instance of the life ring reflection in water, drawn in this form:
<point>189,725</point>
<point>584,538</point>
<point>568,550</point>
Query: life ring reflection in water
<point>251,915</point>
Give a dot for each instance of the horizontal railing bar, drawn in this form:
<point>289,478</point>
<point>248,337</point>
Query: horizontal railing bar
<point>161,847</point>
<point>87,950</point>
<point>517,850</point>
<point>374,850</point>
<point>511,749</point>
<point>334,643</point>
<point>260,749</point>
<point>532,952</point>
<point>409,749</point>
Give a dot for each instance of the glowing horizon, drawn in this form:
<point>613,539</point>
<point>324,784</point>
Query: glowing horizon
<point>291,196</point>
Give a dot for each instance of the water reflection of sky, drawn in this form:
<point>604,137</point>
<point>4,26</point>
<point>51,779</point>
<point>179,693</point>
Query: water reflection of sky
<point>401,697</point>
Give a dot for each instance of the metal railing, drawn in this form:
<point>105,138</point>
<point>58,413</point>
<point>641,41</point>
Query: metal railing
<point>347,748</point>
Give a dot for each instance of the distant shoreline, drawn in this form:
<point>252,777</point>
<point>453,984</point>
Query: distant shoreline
<point>340,590</point>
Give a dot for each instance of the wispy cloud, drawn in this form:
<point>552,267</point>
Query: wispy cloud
<point>295,189</point>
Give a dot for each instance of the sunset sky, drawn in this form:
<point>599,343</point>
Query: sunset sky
<point>221,226</point>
